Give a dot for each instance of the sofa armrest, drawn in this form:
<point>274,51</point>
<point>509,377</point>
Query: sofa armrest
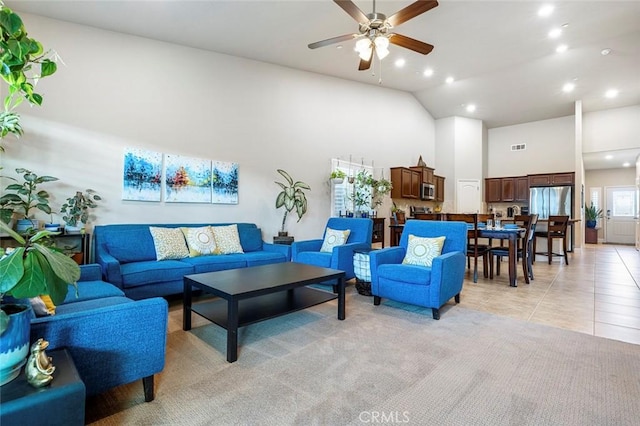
<point>110,345</point>
<point>393,255</point>
<point>447,276</point>
<point>278,248</point>
<point>308,245</point>
<point>91,272</point>
<point>110,266</point>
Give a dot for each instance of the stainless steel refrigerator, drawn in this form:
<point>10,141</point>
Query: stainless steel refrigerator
<point>552,201</point>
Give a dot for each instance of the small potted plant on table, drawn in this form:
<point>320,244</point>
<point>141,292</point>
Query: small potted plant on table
<point>75,211</point>
<point>23,197</point>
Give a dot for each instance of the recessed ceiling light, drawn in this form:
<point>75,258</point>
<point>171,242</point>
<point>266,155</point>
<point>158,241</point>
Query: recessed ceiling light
<point>471,108</point>
<point>625,164</point>
<point>449,80</point>
<point>605,52</point>
<point>562,48</point>
<point>400,63</point>
<point>568,87</point>
<point>608,157</point>
<point>611,93</point>
<point>555,33</point>
<point>428,72</point>
<point>545,10</point>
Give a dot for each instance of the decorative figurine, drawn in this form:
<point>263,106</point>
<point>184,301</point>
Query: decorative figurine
<point>39,369</point>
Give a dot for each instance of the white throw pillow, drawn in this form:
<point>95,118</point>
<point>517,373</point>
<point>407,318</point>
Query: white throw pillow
<point>200,241</point>
<point>227,239</point>
<point>169,243</point>
<point>421,250</point>
<point>334,238</point>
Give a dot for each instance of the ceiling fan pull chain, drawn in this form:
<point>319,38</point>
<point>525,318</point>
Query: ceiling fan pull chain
<point>380,66</point>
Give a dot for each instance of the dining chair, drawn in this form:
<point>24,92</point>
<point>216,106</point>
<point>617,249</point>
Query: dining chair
<point>556,229</point>
<point>524,251</point>
<point>474,248</point>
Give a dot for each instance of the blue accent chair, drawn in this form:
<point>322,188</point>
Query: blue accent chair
<point>341,257</point>
<point>420,285</point>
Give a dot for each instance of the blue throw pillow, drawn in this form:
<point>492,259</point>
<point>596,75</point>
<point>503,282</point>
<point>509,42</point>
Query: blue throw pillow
<point>131,245</point>
<point>251,239</point>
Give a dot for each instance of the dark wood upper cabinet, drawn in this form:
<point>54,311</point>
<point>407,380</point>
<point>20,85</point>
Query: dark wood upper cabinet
<point>508,189</point>
<point>439,183</point>
<point>493,190</point>
<point>426,173</point>
<point>522,188</point>
<point>406,183</point>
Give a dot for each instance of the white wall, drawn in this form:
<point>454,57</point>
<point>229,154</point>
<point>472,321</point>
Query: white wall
<point>612,129</point>
<point>550,148</point>
<point>121,91</point>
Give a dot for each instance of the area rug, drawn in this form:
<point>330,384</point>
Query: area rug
<point>388,364</point>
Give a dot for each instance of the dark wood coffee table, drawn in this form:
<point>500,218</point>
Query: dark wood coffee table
<point>253,294</point>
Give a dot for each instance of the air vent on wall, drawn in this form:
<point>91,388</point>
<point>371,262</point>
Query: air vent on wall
<point>519,147</point>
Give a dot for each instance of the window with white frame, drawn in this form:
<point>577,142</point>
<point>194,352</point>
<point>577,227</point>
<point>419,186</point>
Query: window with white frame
<point>342,194</point>
<point>595,195</point>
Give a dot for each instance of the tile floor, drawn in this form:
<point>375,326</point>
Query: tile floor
<point>598,293</point>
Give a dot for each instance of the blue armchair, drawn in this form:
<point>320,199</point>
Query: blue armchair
<point>430,287</point>
<point>341,257</point>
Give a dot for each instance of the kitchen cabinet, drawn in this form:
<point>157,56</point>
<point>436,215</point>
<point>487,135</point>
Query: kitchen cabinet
<point>507,189</point>
<point>493,190</point>
<point>406,183</point>
<point>426,174</point>
<point>522,189</point>
<point>551,179</point>
<point>439,183</point>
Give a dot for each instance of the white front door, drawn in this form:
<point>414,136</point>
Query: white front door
<point>468,199</point>
<point>620,215</point>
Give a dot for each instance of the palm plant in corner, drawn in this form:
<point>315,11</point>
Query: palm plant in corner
<point>291,197</point>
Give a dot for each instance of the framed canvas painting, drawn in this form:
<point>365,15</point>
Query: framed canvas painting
<point>225,182</point>
<point>142,175</point>
<point>187,180</point>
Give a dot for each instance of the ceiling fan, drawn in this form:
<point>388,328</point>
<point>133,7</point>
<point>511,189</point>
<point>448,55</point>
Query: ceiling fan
<point>374,32</point>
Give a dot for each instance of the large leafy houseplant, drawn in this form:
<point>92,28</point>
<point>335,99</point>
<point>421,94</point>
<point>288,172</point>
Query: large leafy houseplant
<point>592,214</point>
<point>291,197</point>
<point>23,197</point>
<point>33,268</point>
<point>23,61</point>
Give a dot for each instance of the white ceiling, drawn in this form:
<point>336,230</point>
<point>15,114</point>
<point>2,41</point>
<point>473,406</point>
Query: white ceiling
<point>498,51</point>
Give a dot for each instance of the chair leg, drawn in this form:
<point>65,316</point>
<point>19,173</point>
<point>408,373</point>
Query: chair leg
<point>485,266</point>
<point>533,252</point>
<point>457,298</point>
<point>525,269</point>
<point>376,300</point>
<point>550,249</point>
<point>436,313</point>
<point>498,262</point>
<point>475,269</point>
<point>564,248</point>
<point>490,266</point>
<point>147,383</point>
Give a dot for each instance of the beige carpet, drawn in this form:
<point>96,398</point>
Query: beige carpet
<point>387,364</point>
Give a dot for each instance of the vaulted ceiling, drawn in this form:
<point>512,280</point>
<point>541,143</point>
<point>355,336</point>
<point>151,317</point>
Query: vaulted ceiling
<point>498,53</point>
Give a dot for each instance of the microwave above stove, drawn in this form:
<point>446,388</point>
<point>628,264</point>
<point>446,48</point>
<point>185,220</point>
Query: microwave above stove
<point>428,191</point>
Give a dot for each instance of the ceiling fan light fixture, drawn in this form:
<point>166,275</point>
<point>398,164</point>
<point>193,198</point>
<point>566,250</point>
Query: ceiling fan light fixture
<point>363,47</point>
<point>382,46</point>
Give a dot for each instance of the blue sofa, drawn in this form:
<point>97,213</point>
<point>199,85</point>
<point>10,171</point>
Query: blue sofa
<point>112,339</point>
<point>430,287</point>
<point>127,256</point>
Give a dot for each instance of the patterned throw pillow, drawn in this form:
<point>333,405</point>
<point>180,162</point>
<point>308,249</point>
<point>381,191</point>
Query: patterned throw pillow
<point>227,239</point>
<point>421,251</point>
<point>333,238</point>
<point>169,243</point>
<point>200,241</point>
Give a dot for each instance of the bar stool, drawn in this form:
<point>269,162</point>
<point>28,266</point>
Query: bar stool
<point>557,228</point>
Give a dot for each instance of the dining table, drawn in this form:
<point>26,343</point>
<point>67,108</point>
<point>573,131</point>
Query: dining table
<point>513,235</point>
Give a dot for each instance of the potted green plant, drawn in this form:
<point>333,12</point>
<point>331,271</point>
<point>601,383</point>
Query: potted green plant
<point>592,214</point>
<point>23,197</point>
<point>397,214</point>
<point>75,211</point>
<point>22,63</point>
<point>30,269</point>
<point>291,197</point>
<point>337,176</point>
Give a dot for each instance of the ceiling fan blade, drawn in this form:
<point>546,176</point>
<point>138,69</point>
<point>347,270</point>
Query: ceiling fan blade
<point>411,11</point>
<point>366,64</point>
<point>333,40</point>
<point>410,43</point>
<point>353,10</point>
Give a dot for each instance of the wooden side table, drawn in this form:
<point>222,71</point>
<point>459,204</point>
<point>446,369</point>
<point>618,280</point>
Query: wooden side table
<point>60,403</point>
<point>591,235</point>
